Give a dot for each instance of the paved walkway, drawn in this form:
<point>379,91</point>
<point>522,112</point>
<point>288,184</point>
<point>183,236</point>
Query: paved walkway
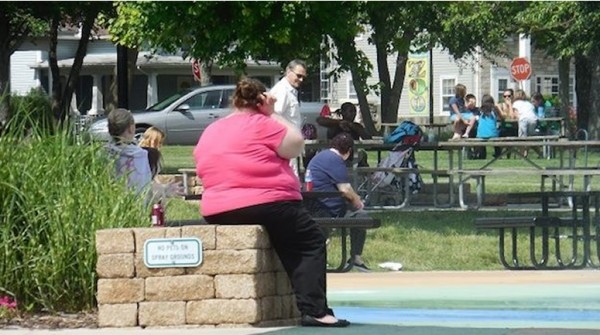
<point>436,303</point>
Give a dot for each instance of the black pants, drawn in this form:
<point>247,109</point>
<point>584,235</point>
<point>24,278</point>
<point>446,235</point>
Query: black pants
<point>299,243</point>
<point>358,236</point>
<point>504,132</point>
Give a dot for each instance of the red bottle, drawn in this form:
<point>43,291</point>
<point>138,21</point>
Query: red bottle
<point>158,215</point>
<point>308,182</point>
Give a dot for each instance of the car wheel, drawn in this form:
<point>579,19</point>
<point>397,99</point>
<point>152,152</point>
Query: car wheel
<point>139,132</point>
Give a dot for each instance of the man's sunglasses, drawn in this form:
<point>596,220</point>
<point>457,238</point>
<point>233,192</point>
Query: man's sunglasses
<point>300,76</point>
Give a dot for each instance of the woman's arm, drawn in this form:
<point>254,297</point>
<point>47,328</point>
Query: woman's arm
<point>292,144</point>
<point>348,193</point>
<point>362,132</point>
<point>327,122</point>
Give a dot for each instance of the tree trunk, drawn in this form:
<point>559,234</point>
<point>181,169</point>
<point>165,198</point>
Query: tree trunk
<point>386,113</point>
<point>592,119</point>
<point>205,73</point>
<point>360,87</point>
<point>132,56</point>
<point>564,65</point>
<point>583,78</point>
<point>4,87</point>
<point>73,79</point>
<point>53,64</point>
<point>390,92</point>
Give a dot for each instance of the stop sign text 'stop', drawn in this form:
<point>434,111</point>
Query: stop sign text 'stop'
<point>520,69</point>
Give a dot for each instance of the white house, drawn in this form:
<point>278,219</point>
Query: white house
<point>479,75</point>
<point>158,76</point>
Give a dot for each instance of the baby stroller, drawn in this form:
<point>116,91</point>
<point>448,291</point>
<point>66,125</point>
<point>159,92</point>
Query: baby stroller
<point>383,188</point>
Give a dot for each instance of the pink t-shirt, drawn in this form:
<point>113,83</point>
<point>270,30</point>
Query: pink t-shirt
<point>237,161</point>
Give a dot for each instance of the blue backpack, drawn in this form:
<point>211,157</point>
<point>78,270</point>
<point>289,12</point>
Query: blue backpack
<point>406,133</point>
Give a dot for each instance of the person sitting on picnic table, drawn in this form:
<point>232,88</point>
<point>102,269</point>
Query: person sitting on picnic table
<point>471,107</point>
<point>346,125</point>
<point>329,174</point>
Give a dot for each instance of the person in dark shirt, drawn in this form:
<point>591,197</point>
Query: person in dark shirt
<point>330,174</point>
<point>347,125</point>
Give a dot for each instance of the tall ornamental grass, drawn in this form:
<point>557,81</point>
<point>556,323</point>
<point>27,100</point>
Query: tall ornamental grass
<point>54,196</point>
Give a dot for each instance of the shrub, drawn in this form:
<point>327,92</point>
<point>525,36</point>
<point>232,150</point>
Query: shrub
<point>54,195</point>
<point>32,111</point>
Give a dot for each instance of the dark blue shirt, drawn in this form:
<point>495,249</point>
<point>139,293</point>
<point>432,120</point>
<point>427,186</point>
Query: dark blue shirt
<point>460,102</point>
<point>327,170</point>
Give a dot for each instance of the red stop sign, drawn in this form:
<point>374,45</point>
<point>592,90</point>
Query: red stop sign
<point>520,69</point>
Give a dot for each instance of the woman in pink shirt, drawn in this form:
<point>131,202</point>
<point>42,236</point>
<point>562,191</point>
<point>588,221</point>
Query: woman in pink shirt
<point>243,162</point>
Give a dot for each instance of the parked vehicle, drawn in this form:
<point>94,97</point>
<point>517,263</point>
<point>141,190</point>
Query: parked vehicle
<point>184,116</point>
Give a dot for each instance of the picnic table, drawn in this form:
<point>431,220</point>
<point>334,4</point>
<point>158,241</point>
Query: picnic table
<point>550,231</point>
<point>567,163</point>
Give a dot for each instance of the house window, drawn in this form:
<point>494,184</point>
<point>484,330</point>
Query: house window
<point>548,86</point>
<point>351,91</point>
<point>502,86</point>
<point>447,92</point>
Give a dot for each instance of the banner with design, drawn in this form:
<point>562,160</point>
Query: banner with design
<point>417,82</point>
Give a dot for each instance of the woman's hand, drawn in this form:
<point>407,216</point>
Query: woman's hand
<point>267,104</point>
<point>358,204</point>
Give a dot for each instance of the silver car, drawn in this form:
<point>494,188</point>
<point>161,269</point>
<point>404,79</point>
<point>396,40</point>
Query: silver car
<point>184,116</point>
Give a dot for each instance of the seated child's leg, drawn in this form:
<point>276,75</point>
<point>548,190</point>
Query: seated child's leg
<point>470,126</point>
<point>459,128</point>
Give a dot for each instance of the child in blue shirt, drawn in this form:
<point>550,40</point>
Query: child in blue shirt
<point>487,126</point>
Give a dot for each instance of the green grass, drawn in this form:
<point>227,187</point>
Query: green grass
<point>420,240</point>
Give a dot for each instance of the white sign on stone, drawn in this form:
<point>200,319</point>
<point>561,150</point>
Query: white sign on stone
<point>172,252</point>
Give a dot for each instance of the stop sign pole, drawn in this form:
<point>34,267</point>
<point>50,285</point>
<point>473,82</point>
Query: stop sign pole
<point>520,69</point>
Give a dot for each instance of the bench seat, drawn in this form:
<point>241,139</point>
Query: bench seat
<point>341,223</point>
<point>532,224</point>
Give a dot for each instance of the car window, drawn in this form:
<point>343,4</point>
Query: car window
<point>205,100</point>
<point>226,101</point>
<point>165,103</point>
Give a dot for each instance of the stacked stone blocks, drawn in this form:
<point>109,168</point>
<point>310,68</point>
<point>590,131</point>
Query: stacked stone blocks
<point>240,282</point>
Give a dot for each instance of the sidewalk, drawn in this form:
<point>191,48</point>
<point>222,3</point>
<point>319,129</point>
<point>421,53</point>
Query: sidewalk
<point>435,303</point>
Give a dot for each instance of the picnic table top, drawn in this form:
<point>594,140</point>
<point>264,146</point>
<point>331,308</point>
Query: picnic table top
<point>592,171</point>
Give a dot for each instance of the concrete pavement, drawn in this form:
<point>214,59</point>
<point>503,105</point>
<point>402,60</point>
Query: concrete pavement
<point>445,302</point>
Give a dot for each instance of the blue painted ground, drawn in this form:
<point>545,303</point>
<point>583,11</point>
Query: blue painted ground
<point>512,306</point>
<point>472,317</point>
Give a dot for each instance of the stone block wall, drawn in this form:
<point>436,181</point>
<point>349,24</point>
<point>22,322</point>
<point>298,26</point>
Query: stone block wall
<point>239,283</point>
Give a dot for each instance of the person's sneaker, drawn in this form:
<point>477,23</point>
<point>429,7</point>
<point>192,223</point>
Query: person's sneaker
<point>362,267</point>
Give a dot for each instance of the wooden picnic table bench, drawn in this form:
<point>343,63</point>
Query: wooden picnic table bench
<point>340,223</point>
<point>529,223</point>
<point>580,227</point>
<point>343,224</point>
<point>186,172</point>
<point>553,173</point>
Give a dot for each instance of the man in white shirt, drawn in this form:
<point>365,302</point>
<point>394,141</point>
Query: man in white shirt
<point>286,93</point>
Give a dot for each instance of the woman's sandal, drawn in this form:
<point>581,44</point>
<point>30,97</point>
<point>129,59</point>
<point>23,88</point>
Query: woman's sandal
<point>311,321</point>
